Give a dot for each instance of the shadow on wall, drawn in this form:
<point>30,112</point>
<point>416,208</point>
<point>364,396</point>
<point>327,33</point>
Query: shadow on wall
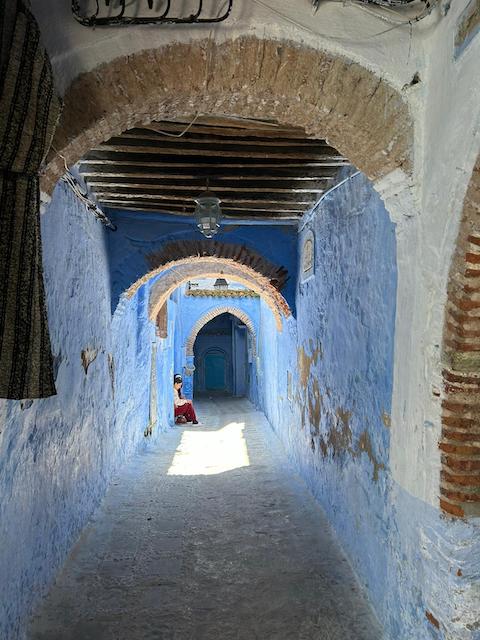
<point>58,454</point>
<point>327,379</point>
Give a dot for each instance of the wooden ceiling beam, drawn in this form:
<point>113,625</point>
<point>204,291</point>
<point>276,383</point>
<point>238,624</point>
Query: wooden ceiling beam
<point>254,176</point>
<point>174,164</point>
<point>288,214</point>
<point>187,204</point>
<point>198,129</point>
<point>325,154</point>
<point>231,198</point>
<point>257,168</point>
<point>191,139</point>
<point>229,121</point>
<point>197,188</point>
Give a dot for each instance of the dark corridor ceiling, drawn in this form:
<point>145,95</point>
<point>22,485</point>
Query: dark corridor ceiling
<point>257,168</point>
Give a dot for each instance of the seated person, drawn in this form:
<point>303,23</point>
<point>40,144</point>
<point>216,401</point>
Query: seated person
<point>184,411</point>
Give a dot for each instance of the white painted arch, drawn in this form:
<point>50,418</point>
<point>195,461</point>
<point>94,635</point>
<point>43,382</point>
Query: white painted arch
<point>214,313</point>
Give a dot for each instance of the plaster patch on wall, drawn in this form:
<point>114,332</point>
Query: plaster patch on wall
<point>431,618</point>
<point>340,435</point>
<point>365,446</point>
<point>305,363</point>
<point>88,355</point>
<point>468,27</point>
<point>315,406</point>
<point>340,438</point>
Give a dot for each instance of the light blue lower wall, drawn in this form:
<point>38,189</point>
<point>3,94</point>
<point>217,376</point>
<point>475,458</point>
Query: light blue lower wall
<point>58,454</point>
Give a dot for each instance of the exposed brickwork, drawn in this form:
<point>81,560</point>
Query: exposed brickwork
<point>178,272</point>
<point>210,315</point>
<point>232,293</point>
<point>460,442</point>
<point>207,248</point>
<point>331,97</point>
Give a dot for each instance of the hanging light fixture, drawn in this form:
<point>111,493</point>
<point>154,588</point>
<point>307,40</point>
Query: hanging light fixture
<point>208,213</point>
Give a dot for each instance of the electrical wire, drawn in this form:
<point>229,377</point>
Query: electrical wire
<point>175,135</point>
<point>365,6</point>
<point>82,195</point>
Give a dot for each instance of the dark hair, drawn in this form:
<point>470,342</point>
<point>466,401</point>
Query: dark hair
<point>178,378</point>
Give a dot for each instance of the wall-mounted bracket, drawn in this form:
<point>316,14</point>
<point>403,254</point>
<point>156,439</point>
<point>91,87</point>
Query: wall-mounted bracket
<point>139,12</point>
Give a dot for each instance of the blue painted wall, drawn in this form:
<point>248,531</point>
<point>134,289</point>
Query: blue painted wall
<point>190,309</point>
<point>339,353</point>
<point>334,420</point>
<point>139,235</point>
<point>58,454</point>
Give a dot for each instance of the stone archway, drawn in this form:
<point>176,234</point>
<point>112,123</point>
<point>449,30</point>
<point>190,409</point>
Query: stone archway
<point>176,273</point>
<point>330,96</point>
<point>460,471</point>
<point>213,313</point>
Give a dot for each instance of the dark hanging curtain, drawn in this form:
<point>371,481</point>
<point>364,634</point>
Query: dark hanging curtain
<point>29,110</point>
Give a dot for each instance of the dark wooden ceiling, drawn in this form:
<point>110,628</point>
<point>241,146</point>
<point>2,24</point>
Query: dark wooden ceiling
<point>256,168</point>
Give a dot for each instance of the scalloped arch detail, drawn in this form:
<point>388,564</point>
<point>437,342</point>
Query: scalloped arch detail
<point>214,313</point>
<point>176,273</point>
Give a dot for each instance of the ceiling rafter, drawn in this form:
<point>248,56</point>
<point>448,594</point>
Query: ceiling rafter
<point>257,169</point>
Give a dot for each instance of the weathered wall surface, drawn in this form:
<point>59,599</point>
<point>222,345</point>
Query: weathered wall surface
<point>440,87</point>
<point>334,414</point>
<point>326,384</point>
<point>58,454</point>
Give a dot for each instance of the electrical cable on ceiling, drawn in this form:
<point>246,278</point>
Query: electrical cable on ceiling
<point>264,123</point>
<point>175,135</point>
<point>367,6</point>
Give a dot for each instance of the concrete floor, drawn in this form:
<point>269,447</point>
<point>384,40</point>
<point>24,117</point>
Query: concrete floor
<point>209,536</point>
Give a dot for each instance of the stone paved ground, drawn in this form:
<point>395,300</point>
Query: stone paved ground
<point>190,543</point>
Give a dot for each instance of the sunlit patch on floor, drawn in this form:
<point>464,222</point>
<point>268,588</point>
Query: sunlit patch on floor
<point>210,452</point>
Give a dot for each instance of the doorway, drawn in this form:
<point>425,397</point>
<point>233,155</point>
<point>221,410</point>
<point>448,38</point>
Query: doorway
<point>221,358</point>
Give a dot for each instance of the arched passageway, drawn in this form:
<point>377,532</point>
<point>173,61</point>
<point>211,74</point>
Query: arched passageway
<point>324,360</point>
<point>358,112</point>
<point>223,353</point>
<point>217,311</point>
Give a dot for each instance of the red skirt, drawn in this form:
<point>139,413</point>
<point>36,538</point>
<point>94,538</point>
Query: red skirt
<point>186,410</point>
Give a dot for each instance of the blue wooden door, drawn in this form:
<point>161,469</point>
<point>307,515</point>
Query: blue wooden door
<point>215,372</point>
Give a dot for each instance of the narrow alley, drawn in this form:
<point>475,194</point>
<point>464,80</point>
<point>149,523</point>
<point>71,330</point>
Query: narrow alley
<point>210,535</point>
<point>239,320</point>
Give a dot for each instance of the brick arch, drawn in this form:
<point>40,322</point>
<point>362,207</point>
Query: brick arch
<point>177,272</point>
<point>332,97</point>
<point>460,442</point>
<point>218,311</point>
